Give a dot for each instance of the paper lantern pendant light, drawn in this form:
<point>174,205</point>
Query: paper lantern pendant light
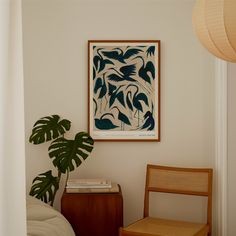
<point>215,24</point>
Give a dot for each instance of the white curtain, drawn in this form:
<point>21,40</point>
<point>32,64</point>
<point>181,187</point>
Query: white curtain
<point>12,153</point>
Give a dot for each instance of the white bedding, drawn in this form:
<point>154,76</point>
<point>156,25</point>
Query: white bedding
<point>43,220</point>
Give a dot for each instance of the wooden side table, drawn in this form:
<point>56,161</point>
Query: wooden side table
<point>93,214</point>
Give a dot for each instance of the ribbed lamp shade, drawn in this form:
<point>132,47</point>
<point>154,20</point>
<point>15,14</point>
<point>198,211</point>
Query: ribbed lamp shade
<point>215,24</point>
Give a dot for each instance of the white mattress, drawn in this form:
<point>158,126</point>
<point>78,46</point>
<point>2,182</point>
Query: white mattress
<point>43,220</point>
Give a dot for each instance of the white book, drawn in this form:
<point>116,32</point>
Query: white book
<point>113,189</point>
<point>88,183</point>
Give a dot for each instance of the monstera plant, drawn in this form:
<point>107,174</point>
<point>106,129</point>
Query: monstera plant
<point>66,154</point>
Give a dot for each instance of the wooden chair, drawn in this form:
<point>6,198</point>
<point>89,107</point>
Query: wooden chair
<point>190,181</point>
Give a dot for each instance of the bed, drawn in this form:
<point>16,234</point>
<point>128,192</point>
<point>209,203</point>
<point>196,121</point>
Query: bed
<point>43,220</point>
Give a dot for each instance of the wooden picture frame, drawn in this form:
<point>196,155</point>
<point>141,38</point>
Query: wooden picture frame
<point>124,90</point>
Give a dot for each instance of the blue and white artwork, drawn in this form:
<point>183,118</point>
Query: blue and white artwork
<point>124,90</point>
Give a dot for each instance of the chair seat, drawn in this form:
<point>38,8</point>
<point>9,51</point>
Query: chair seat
<point>162,227</point>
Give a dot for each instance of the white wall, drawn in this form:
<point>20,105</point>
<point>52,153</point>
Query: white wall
<point>231,149</point>
<point>55,64</point>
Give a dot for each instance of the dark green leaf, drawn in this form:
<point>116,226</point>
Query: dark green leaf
<point>67,154</point>
<point>48,128</point>
<point>45,186</point>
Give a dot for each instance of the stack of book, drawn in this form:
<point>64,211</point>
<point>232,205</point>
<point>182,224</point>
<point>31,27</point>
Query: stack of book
<point>91,186</point>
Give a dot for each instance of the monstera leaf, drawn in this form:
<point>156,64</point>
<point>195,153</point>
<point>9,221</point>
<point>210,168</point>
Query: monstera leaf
<point>45,186</point>
<point>48,128</point>
<point>67,154</point>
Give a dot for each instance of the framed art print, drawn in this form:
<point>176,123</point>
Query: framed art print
<point>124,90</point>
